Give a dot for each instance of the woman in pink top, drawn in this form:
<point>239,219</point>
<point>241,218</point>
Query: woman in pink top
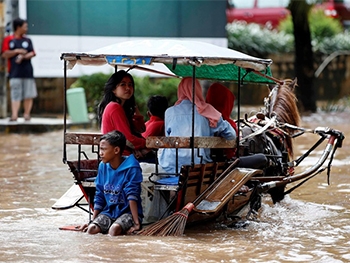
<point>117,111</point>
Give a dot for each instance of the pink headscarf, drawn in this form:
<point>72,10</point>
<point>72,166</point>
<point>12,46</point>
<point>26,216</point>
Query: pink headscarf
<point>184,92</point>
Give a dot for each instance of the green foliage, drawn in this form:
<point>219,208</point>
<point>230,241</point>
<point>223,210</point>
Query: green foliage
<point>326,33</point>
<point>256,40</point>
<point>144,88</point>
<point>340,105</point>
<point>321,26</point>
<point>286,25</point>
<point>329,45</point>
<point>93,85</point>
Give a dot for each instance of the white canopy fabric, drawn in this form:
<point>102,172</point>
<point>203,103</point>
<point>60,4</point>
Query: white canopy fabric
<point>178,57</point>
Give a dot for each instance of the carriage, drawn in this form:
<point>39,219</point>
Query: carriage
<point>204,191</point>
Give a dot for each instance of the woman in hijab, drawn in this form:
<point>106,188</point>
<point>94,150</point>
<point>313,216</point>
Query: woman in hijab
<point>178,122</point>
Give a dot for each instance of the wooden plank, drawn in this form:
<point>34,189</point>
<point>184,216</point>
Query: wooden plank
<point>82,138</point>
<point>88,139</point>
<point>199,177</point>
<point>218,194</point>
<point>71,228</point>
<point>69,199</point>
<point>185,142</point>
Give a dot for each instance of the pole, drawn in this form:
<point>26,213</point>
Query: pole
<point>238,110</point>
<point>65,111</point>
<point>193,108</point>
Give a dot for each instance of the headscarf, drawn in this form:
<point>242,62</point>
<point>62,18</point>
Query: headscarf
<point>184,92</point>
<point>223,100</point>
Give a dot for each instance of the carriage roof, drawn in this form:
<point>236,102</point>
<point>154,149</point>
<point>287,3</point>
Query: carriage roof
<point>177,58</point>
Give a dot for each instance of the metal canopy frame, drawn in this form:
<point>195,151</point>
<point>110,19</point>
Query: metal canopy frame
<point>246,67</point>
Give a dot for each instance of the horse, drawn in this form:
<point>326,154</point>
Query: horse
<point>273,140</point>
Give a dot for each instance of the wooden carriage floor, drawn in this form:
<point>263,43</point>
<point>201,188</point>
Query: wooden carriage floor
<point>36,125</point>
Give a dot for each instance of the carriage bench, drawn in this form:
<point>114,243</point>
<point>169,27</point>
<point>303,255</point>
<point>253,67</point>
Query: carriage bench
<point>176,142</point>
<point>192,180</point>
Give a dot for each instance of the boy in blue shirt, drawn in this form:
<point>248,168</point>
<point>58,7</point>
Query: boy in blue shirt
<point>117,204</point>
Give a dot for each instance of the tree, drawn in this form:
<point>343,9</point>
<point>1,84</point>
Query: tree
<point>303,64</point>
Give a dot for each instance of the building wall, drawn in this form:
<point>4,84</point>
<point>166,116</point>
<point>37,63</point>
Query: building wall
<point>57,27</point>
<point>128,18</point>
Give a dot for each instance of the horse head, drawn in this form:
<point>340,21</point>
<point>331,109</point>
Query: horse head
<point>282,103</point>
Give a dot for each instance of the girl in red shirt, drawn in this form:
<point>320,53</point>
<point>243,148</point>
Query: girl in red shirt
<point>117,111</point>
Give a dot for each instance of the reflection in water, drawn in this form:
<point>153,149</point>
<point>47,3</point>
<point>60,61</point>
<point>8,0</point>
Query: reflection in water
<point>310,225</point>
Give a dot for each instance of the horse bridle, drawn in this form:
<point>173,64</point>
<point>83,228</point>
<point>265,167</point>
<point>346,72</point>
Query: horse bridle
<point>269,102</point>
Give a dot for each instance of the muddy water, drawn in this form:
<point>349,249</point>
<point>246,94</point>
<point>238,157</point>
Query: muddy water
<point>312,224</point>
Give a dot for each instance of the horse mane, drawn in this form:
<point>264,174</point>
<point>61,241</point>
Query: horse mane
<point>282,103</point>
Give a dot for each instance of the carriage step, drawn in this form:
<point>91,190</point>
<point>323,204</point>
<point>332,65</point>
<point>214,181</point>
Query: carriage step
<point>219,193</point>
<point>69,199</point>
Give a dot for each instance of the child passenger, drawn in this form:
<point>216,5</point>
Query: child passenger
<point>178,119</point>
<point>157,106</point>
<point>117,204</point>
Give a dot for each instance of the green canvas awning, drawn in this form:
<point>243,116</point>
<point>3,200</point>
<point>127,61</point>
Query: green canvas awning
<point>225,72</point>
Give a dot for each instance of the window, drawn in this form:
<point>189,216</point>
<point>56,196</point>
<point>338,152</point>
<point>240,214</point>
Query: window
<point>275,3</point>
<point>241,3</point>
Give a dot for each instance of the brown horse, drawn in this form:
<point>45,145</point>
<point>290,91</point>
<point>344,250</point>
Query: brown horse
<point>275,142</point>
<point>282,103</point>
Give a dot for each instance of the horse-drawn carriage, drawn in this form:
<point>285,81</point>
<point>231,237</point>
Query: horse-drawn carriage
<point>204,191</point>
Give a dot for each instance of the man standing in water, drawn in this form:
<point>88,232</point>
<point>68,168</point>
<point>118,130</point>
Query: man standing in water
<point>18,49</point>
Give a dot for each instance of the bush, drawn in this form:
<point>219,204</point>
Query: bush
<point>340,105</point>
<point>321,26</point>
<point>146,87</point>
<point>93,85</point>
<point>339,42</point>
<point>256,40</point>
<point>326,33</point>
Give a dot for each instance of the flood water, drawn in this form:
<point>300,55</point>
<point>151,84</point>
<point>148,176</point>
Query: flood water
<point>312,224</point>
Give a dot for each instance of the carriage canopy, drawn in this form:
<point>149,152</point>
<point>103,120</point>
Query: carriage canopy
<point>177,58</point>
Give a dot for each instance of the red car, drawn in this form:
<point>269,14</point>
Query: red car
<point>264,12</point>
<point>271,12</point>
<point>339,9</point>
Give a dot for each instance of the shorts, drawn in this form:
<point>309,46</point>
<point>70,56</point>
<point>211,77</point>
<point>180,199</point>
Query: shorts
<point>105,222</point>
<point>23,88</point>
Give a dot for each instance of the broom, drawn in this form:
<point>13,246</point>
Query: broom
<point>174,225</point>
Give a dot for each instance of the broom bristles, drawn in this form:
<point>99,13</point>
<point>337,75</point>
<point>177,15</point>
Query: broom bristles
<point>173,225</point>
